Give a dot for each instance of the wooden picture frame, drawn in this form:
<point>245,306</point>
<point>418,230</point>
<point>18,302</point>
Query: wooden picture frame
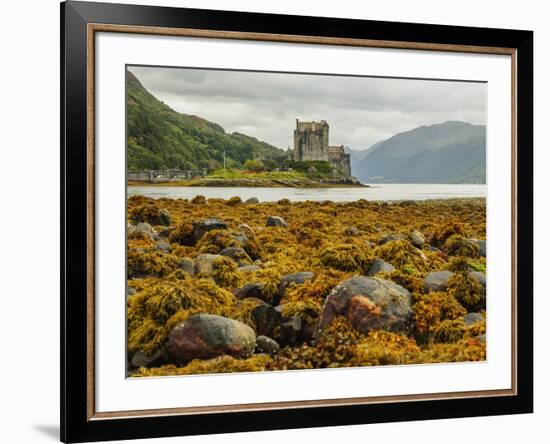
<point>80,22</point>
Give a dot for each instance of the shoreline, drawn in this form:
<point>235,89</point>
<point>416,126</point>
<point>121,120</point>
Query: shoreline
<point>248,183</point>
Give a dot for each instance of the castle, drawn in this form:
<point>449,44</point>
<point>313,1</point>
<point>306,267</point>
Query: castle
<point>311,143</point>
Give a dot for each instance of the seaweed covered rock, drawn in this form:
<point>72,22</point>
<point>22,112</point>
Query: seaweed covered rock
<point>226,273</point>
<point>346,257</point>
<point>351,231</point>
<point>276,221</point>
<point>468,289</point>
<point>206,336</point>
<point>204,263</point>
<point>403,256</point>
<point>380,266</point>
<point>480,277</point>
<point>369,303</point>
<point>250,290</point>
<point>200,227</point>
<point>294,278</point>
<point>235,200</point>
<point>437,280</point>
<point>238,254</point>
<point>472,318</point>
<point>188,265</point>
<point>182,235</point>
<point>482,246</point>
<point>445,232</point>
<point>252,200</point>
<point>150,213</point>
<point>417,238</point>
<point>460,246</point>
<point>150,263</point>
<point>141,230</point>
<point>391,238</point>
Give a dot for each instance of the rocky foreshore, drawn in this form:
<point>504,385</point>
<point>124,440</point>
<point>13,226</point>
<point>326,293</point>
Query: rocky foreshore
<point>230,286</point>
<point>257,183</point>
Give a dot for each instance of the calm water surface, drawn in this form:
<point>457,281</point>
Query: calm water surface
<point>375,192</point>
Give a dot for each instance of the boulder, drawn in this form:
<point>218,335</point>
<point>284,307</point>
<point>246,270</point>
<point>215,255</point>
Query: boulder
<point>276,221</point>
<point>380,266</point>
<point>166,232</point>
<point>482,245</point>
<point>248,243</point>
<point>417,238</point>
<point>142,228</point>
<point>164,217</point>
<point>472,318</point>
<point>141,359</point>
<point>238,254</point>
<point>250,290</point>
<point>351,231</point>
<point>163,246</point>
<point>249,268</point>
<point>291,332</point>
<point>204,263</point>
<point>437,280</point>
<point>206,336</point>
<point>391,237</point>
<point>252,200</point>
<point>246,228</point>
<point>200,227</point>
<point>130,291</point>
<point>480,277</point>
<point>265,344</point>
<point>370,303</point>
<point>267,319</point>
<point>294,278</point>
<point>187,265</point>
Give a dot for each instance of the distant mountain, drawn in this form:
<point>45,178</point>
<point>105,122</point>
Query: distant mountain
<point>357,155</point>
<point>450,152</point>
<point>159,137</point>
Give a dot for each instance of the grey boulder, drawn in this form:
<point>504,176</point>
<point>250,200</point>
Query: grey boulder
<point>437,280</point>
<point>265,344</point>
<point>472,318</point>
<point>380,266</point>
<point>276,221</point>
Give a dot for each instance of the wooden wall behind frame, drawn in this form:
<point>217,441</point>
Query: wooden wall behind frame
<point>130,20</point>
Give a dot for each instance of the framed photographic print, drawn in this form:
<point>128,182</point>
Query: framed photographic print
<point>276,221</point>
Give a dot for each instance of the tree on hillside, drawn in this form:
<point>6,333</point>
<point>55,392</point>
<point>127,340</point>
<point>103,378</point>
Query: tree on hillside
<point>254,165</point>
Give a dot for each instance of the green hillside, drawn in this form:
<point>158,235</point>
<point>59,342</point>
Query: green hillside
<point>161,138</point>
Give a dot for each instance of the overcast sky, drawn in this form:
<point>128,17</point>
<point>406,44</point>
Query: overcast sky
<point>360,110</point>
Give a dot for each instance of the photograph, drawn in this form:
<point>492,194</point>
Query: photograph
<point>281,221</point>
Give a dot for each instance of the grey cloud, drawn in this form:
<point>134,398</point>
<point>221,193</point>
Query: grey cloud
<point>360,110</point>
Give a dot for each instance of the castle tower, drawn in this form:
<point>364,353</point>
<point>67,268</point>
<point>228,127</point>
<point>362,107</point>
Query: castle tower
<point>311,140</point>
